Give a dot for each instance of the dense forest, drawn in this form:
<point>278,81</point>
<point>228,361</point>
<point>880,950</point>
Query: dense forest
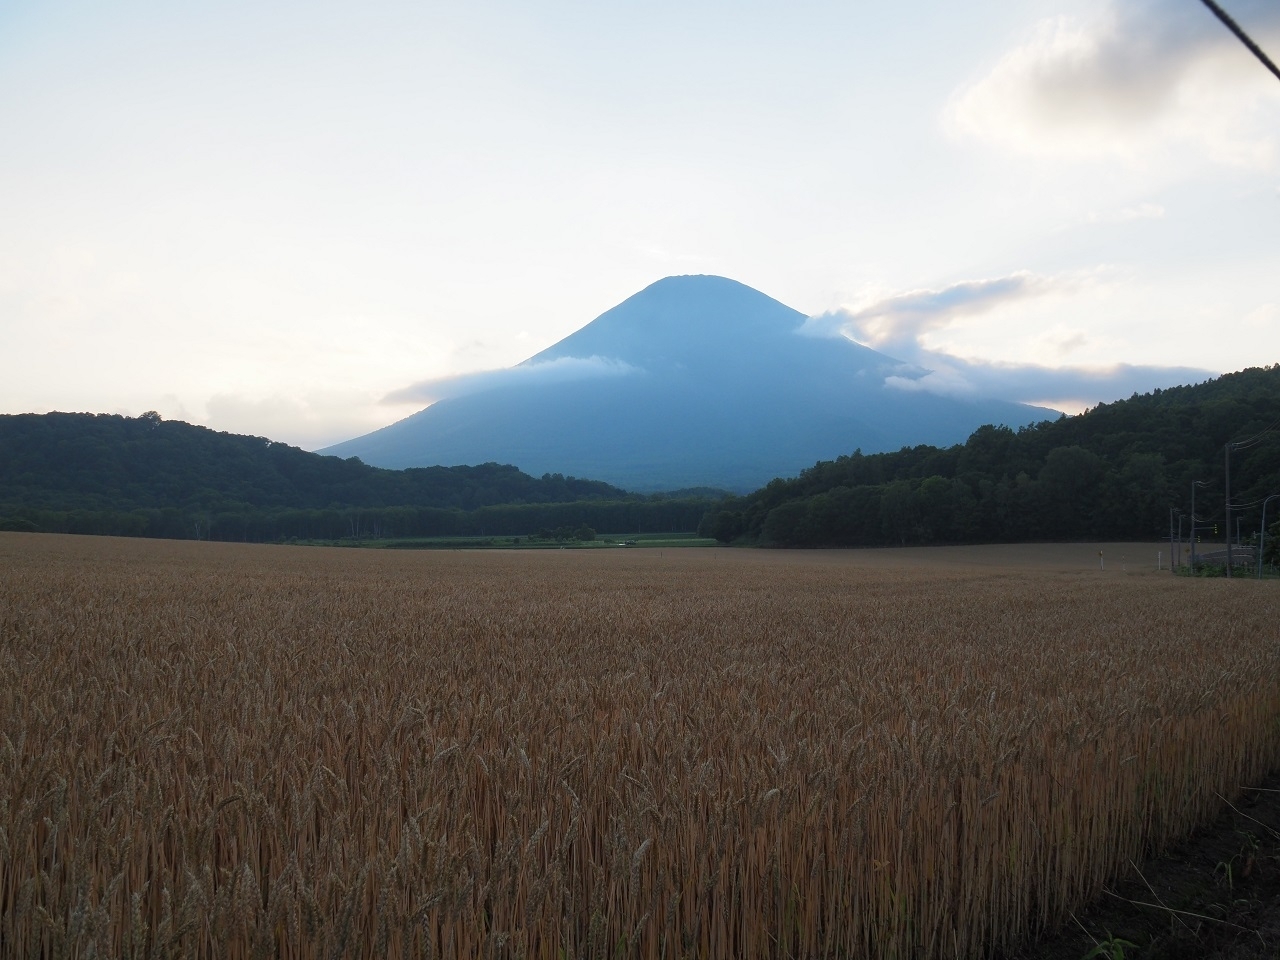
<point>1121,471</point>
<point>144,476</point>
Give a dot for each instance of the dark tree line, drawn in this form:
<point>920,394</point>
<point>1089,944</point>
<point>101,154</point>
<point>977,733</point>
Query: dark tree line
<point>144,476</point>
<point>80,460</point>
<point>1112,473</point>
<point>268,526</point>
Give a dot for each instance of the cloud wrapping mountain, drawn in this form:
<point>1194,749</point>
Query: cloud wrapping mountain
<point>704,381</point>
<point>529,373</point>
<point>1074,387</point>
<point>899,324</point>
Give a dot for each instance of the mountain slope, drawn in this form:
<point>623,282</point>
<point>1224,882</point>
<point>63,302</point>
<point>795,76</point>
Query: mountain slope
<point>693,381</point>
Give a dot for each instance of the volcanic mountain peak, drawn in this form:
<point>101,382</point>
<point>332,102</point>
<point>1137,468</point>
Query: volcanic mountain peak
<point>693,381</point>
<point>678,319</point>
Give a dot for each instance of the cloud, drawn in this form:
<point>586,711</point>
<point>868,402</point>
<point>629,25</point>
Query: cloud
<point>896,324</point>
<point>1061,388</point>
<point>663,254</point>
<point>1140,78</point>
<point>311,422</point>
<point>1068,341</point>
<point>559,370</point>
<point>1139,211</point>
<point>1264,317</point>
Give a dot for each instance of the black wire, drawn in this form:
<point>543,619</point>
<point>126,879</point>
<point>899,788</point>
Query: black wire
<point>1214,517</point>
<point>1256,438</point>
<point>1247,506</point>
<point>1242,36</point>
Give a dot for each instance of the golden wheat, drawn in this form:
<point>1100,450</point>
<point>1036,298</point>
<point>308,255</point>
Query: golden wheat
<point>219,751</point>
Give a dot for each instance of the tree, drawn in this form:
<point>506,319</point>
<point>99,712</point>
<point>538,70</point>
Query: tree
<point>782,525</point>
<point>722,525</point>
<point>1067,481</point>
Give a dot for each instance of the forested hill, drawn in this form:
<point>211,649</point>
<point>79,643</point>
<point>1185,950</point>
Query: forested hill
<point>86,473</point>
<point>1111,473</point>
<point>65,461</point>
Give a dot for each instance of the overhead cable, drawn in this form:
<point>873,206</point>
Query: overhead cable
<point>1242,36</point>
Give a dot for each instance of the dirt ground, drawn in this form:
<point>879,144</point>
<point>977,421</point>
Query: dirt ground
<point>1212,896</point>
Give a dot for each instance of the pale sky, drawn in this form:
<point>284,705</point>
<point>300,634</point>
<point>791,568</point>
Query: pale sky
<point>271,217</point>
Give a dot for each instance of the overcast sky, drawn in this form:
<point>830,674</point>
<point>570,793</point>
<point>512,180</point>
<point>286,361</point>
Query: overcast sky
<point>271,217</point>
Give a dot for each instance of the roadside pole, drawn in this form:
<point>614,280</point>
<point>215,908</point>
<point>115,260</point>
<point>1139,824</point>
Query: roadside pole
<point>1227,528</point>
<point>1262,534</point>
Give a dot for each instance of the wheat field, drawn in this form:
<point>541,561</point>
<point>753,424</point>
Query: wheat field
<point>210,750</point>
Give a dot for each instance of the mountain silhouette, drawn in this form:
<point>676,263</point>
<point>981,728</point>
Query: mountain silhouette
<point>693,381</point>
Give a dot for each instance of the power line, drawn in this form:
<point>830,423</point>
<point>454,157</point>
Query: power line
<point>1242,36</point>
<point>1257,437</point>
<point>1246,506</point>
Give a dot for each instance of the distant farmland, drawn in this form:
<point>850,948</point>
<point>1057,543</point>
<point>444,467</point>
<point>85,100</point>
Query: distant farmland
<point>209,750</point>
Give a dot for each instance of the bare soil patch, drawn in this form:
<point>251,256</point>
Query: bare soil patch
<point>1214,895</point>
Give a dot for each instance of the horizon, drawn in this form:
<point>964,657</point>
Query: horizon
<point>276,220</point>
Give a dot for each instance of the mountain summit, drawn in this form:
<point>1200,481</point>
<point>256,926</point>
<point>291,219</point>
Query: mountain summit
<point>693,381</point>
<point>682,319</point>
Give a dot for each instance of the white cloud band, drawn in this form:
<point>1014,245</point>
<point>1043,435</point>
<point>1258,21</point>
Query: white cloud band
<point>895,324</point>
<point>898,324</point>
<point>559,370</point>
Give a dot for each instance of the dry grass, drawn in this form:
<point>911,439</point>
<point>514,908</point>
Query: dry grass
<point>219,751</point>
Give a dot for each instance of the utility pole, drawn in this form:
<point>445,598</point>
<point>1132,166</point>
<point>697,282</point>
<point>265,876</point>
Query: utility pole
<point>1179,560</point>
<point>1262,537</point>
<point>1227,530</point>
<point>1194,484</point>
<point>1171,540</point>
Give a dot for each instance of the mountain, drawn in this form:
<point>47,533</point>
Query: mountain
<point>693,381</point>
